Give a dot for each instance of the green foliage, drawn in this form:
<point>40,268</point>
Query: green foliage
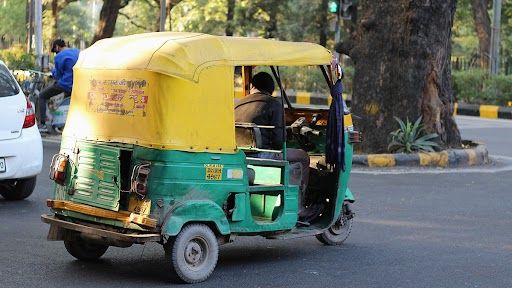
<point>476,87</point>
<point>16,58</point>
<point>12,19</point>
<point>468,85</point>
<point>465,40</point>
<point>411,138</point>
<point>75,23</point>
<point>137,17</point>
<point>200,16</point>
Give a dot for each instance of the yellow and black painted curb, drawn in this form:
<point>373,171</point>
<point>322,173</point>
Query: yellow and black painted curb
<point>484,111</point>
<point>450,158</point>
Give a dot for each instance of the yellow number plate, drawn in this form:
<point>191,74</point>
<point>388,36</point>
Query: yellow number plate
<point>139,206</point>
<point>213,171</point>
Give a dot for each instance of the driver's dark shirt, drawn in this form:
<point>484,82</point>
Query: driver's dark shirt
<point>263,109</point>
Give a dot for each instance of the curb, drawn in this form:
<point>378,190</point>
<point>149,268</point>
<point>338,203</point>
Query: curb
<point>483,111</point>
<point>445,159</point>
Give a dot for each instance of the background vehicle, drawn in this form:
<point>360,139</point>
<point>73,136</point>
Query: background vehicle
<point>151,152</point>
<point>21,149</point>
<point>57,112</point>
<point>32,83</point>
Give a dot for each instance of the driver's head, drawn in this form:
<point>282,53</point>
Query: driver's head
<point>263,82</point>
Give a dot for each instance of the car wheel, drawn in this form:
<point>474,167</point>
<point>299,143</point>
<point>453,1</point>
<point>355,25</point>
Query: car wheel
<point>83,250</point>
<point>19,189</point>
<point>193,254</point>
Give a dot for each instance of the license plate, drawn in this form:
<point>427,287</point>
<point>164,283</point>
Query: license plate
<point>139,206</point>
<point>2,165</point>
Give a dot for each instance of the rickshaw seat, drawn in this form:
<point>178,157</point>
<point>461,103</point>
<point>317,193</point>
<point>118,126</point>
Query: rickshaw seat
<point>247,135</point>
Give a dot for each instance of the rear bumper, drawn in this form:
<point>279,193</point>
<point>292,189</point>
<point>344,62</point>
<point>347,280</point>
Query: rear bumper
<point>103,233</point>
<point>23,155</point>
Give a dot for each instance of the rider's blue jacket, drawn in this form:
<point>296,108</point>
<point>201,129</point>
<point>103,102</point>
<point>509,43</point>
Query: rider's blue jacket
<point>63,71</point>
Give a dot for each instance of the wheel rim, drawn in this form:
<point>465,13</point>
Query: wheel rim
<point>196,252</point>
<point>340,226</point>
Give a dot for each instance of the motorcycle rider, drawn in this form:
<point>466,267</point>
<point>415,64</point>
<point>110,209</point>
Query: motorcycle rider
<point>65,59</point>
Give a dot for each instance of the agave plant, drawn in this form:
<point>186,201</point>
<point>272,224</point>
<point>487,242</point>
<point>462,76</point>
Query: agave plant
<point>411,138</point>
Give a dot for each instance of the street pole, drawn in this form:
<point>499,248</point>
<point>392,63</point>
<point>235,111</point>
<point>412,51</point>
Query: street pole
<point>162,15</point>
<point>337,30</point>
<point>495,38</point>
<point>38,23</point>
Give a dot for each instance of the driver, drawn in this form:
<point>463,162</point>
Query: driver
<point>261,108</point>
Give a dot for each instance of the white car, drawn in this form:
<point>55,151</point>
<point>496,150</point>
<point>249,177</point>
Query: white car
<point>21,148</point>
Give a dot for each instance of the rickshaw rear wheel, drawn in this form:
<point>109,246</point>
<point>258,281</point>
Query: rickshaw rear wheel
<point>339,231</point>
<point>193,254</point>
<point>84,250</point>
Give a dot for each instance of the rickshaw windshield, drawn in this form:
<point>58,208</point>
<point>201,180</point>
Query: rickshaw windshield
<point>170,90</point>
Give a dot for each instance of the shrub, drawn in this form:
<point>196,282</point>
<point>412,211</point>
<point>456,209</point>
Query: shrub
<point>16,58</point>
<point>499,89</point>
<point>468,85</point>
<point>476,87</point>
<point>411,138</point>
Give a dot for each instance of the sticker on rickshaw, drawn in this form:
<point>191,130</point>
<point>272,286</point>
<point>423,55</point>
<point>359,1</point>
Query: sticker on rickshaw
<point>213,171</point>
<point>121,97</point>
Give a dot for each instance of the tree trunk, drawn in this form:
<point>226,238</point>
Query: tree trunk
<point>483,30</point>
<point>55,16</point>
<point>272,8</point>
<point>322,22</point>
<point>171,4</point>
<point>107,22</point>
<point>30,24</point>
<point>401,52</point>
<point>229,18</point>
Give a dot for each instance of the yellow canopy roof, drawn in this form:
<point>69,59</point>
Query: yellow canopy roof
<point>184,55</point>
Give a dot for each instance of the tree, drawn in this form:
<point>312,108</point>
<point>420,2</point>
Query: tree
<point>322,22</point>
<point>108,17</point>
<point>401,51</point>
<point>12,22</point>
<point>169,4</point>
<point>483,30</point>
<point>229,17</point>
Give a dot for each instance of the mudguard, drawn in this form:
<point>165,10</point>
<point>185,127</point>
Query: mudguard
<point>194,211</point>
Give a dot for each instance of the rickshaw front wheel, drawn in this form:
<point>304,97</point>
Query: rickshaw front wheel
<point>339,231</point>
<point>193,253</point>
<point>83,250</point>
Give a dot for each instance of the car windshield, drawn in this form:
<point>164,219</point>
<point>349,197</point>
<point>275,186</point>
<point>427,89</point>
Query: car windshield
<point>8,85</point>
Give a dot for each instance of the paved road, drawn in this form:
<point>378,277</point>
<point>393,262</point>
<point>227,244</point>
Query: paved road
<point>411,230</point>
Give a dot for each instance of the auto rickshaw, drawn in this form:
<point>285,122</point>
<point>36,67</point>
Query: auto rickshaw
<point>151,151</point>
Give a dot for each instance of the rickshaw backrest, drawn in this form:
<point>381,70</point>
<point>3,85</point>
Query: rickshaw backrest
<point>247,135</point>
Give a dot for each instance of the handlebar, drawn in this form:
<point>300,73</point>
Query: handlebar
<point>306,130</point>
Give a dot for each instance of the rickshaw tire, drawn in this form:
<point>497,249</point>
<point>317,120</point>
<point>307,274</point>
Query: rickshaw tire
<point>82,250</point>
<point>193,254</point>
<point>336,234</point>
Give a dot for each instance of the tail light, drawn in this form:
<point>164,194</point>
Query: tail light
<point>30,116</point>
<point>140,179</point>
<point>355,137</point>
<point>58,168</point>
